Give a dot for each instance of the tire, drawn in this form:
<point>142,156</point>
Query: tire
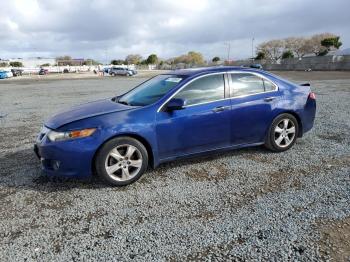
<point>121,161</point>
<point>283,133</point>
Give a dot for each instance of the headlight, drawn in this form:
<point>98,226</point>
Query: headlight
<point>59,136</point>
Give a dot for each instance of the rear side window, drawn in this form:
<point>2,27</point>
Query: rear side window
<point>205,89</point>
<point>246,84</point>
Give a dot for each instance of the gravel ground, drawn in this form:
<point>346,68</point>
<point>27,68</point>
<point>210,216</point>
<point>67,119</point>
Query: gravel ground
<point>247,204</point>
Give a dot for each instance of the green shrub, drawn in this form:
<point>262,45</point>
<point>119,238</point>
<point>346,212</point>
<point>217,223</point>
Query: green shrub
<point>287,54</point>
<point>16,64</point>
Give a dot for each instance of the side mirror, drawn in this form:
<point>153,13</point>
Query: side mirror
<point>175,104</point>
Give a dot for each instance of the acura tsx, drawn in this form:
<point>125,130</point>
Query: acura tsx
<point>173,115</point>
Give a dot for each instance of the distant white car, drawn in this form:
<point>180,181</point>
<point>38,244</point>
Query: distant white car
<point>9,74</point>
<point>5,74</point>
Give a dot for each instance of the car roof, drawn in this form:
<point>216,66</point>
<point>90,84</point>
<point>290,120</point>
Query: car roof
<point>218,69</point>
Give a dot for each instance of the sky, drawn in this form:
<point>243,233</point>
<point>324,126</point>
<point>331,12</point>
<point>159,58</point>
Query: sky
<point>112,29</point>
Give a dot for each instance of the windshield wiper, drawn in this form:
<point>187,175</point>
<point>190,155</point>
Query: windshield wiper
<point>123,102</point>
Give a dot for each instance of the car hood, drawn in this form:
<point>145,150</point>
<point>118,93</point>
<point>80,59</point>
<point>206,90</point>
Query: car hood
<point>87,110</point>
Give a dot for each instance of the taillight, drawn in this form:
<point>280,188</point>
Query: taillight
<point>312,95</point>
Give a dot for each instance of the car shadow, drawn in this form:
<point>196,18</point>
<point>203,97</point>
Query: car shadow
<point>22,169</point>
<point>215,155</point>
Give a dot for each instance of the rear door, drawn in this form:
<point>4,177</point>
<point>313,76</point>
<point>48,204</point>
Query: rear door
<point>253,98</point>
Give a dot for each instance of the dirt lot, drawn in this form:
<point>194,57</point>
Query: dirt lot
<point>247,204</point>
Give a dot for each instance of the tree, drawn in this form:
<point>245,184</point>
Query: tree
<point>64,60</point>
<point>331,42</point>
<point>152,59</point>
<point>3,64</point>
<point>133,59</point>
<point>192,58</point>
<point>90,61</point>
<point>46,64</point>
<point>195,58</point>
<point>298,46</point>
<point>16,64</point>
<point>314,43</point>
<point>260,56</point>
<point>287,54</point>
<point>118,62</point>
<point>143,62</point>
<point>272,49</point>
<point>215,59</point>
<point>179,59</point>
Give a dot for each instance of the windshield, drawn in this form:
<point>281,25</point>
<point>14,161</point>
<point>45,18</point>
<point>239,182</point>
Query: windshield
<point>150,91</point>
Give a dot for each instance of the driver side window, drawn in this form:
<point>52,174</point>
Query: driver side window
<point>205,89</point>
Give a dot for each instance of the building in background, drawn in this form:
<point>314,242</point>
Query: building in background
<point>34,62</point>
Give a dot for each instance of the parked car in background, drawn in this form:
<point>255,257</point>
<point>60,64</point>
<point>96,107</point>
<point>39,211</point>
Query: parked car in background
<point>3,74</point>
<point>256,66</point>
<point>133,71</point>
<point>16,72</point>
<point>9,73</point>
<point>43,71</point>
<point>174,115</point>
<point>106,70</point>
<point>114,71</point>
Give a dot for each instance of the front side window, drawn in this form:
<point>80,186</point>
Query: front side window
<point>246,84</point>
<point>203,90</point>
<point>150,91</point>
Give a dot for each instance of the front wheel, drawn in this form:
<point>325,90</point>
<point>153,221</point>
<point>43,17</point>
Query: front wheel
<point>283,133</point>
<point>121,161</point>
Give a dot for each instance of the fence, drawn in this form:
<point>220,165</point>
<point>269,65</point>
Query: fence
<point>318,63</point>
<point>63,69</point>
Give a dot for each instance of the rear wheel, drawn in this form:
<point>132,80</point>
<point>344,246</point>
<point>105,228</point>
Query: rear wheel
<point>282,133</point>
<point>121,161</point>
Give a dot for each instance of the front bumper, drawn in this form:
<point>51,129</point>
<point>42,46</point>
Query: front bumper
<point>71,158</point>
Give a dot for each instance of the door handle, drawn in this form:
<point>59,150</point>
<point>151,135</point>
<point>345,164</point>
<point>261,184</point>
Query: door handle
<point>269,99</point>
<point>220,108</point>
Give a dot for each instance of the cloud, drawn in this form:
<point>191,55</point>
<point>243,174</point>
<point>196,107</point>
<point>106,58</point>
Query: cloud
<point>113,29</point>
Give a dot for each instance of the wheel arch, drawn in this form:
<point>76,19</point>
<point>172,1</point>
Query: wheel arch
<point>139,138</point>
<point>300,124</point>
<point>297,117</point>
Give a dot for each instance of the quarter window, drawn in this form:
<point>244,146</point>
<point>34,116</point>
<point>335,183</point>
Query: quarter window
<point>246,84</point>
<point>203,90</point>
<point>269,86</point>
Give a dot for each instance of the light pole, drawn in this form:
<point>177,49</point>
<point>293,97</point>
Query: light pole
<point>228,51</point>
<point>106,53</point>
<point>253,49</point>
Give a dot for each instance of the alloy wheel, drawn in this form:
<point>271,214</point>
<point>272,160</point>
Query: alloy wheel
<point>123,162</point>
<point>284,132</point>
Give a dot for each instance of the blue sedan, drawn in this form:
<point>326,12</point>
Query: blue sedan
<point>3,74</point>
<point>174,115</point>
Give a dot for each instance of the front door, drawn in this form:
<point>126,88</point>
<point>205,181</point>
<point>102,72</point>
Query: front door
<point>204,123</point>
